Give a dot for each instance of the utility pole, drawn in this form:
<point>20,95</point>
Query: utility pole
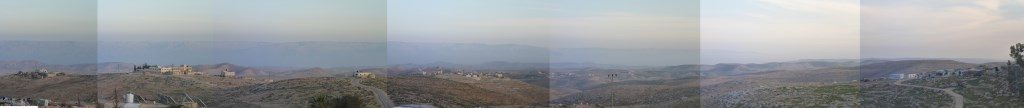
<point>614,97</point>
<point>116,99</point>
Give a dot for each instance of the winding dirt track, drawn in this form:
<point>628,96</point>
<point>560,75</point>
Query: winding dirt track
<point>958,100</point>
<point>382,97</point>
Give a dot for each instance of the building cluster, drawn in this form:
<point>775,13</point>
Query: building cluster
<point>178,70</point>
<point>976,71</point>
<point>364,74</point>
<point>438,71</point>
<point>480,76</point>
<point>167,70</point>
<point>39,74</point>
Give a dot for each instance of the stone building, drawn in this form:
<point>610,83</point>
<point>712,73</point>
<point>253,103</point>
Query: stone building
<point>227,73</point>
<point>179,70</point>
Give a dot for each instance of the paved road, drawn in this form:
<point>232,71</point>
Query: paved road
<point>382,97</point>
<point>958,100</point>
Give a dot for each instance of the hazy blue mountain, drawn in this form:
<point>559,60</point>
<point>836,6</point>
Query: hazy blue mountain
<point>10,67</point>
<point>806,64</point>
<point>632,57</point>
<point>908,66</point>
<point>459,53</point>
<point>300,54</point>
<point>328,54</point>
<point>965,60</point>
<point>54,52</point>
<point>423,53</point>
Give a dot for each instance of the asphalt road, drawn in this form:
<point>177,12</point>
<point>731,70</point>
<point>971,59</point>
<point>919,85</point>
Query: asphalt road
<point>958,100</point>
<point>382,97</point>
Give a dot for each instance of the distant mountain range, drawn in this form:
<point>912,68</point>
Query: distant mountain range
<point>733,68</point>
<point>965,60</point>
<point>325,54</point>
<point>55,52</point>
<point>458,53</point>
<point>335,54</point>
<point>908,66</point>
<point>11,67</point>
<point>300,54</point>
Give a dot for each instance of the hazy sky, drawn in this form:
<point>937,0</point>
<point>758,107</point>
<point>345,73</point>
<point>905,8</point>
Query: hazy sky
<point>48,20</point>
<point>469,21</point>
<point>242,20</point>
<point>750,31</point>
<point>725,31</point>
<point>941,28</point>
<point>637,24</point>
<point>556,24</point>
<point>671,25</point>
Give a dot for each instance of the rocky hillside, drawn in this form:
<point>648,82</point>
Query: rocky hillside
<point>68,88</point>
<point>681,92</point>
<point>291,93</point>
<point>170,89</point>
<point>449,93</point>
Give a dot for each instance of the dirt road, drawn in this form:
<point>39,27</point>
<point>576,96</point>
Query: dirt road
<point>382,97</point>
<point>958,100</point>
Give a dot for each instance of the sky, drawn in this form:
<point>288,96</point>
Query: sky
<point>637,24</point>
<point>193,20</point>
<point>755,31</point>
<point>724,31</point>
<point>48,20</point>
<point>668,24</point>
<point>69,24</point>
<point>941,28</point>
<point>242,20</point>
<point>572,30</point>
<point>524,22</point>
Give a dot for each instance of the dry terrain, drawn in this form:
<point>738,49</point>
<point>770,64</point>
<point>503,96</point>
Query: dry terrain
<point>172,89</point>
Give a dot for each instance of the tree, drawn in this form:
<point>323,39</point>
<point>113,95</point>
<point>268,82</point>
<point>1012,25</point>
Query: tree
<point>1014,72</point>
<point>1015,53</point>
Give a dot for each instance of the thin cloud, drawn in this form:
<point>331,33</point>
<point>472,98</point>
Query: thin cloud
<point>939,29</point>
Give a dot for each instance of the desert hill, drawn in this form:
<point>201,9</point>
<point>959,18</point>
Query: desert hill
<point>170,89</point>
<point>225,92</point>
<point>309,72</point>
<point>68,88</point>
<point>164,88</point>
<point>449,93</point>
<point>290,93</point>
<point>673,93</point>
